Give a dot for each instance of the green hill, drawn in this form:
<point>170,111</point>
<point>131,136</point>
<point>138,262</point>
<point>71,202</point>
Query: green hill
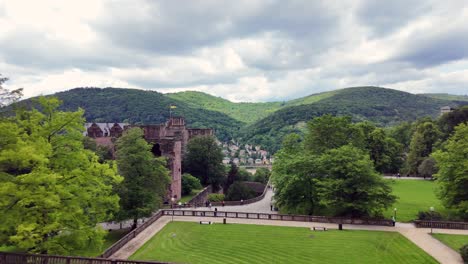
<point>244,112</point>
<point>143,107</point>
<point>254,123</point>
<point>450,97</point>
<point>380,105</point>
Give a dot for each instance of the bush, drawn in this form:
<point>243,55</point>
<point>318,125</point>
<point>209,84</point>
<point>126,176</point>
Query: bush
<point>464,253</point>
<point>190,183</point>
<point>215,197</point>
<point>426,215</point>
<point>239,191</point>
<point>262,175</point>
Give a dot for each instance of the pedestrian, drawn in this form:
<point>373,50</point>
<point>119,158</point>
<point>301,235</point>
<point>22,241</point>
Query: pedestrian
<point>271,206</point>
<point>216,211</point>
<point>398,175</point>
<point>222,203</point>
<point>242,201</point>
<point>207,204</point>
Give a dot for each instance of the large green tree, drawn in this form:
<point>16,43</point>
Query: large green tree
<point>327,175</point>
<point>53,192</point>
<point>422,144</point>
<point>452,176</point>
<point>350,185</point>
<point>328,132</point>
<point>145,176</point>
<point>203,159</point>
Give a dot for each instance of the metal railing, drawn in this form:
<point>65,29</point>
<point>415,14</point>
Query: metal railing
<point>440,224</point>
<point>281,217</point>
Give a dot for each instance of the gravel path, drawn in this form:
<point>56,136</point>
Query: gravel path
<point>419,236</point>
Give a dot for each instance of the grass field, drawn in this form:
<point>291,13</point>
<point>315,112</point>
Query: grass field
<point>453,241</point>
<point>414,196</point>
<point>110,239</point>
<point>186,242</point>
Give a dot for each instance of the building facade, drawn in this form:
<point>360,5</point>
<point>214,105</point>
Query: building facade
<point>168,139</point>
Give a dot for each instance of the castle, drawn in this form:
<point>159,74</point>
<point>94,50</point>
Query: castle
<point>169,140</point>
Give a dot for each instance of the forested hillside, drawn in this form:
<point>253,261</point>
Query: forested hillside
<point>382,106</point>
<point>254,123</point>
<point>244,112</point>
<point>450,97</point>
<point>143,107</point>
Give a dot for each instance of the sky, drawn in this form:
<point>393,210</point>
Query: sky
<point>243,50</point>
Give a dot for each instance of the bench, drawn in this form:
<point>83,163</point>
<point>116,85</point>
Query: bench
<point>316,228</point>
<point>205,222</point>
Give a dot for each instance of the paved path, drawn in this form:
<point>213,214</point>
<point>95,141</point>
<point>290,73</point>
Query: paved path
<point>262,206</point>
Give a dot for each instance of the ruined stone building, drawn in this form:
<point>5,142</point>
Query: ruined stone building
<point>169,140</point>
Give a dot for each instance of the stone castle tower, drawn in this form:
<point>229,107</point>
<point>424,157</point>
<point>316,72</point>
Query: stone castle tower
<point>169,140</point>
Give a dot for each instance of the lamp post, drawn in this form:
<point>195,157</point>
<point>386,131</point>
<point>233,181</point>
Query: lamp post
<point>394,214</point>
<point>172,207</point>
<point>432,211</point>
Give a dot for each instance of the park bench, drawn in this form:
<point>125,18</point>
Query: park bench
<point>316,228</point>
<point>205,222</point>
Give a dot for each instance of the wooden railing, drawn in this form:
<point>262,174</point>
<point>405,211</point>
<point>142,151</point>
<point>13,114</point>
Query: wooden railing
<point>132,234</point>
<point>440,224</point>
<point>20,258</point>
<point>281,217</point>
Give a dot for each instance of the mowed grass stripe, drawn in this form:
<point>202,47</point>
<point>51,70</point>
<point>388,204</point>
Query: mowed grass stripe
<point>187,242</point>
<point>453,241</point>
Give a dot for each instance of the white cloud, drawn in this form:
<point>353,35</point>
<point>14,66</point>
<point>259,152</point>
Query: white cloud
<point>242,50</point>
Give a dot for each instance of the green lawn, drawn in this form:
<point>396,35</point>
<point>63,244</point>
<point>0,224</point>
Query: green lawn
<point>186,242</point>
<point>414,196</point>
<point>112,237</point>
<point>188,197</point>
<point>453,241</point>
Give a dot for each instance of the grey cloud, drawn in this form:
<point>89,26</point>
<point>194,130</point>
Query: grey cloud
<point>384,17</point>
<point>428,50</point>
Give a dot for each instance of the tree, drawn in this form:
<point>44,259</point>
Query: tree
<point>146,177</point>
<point>350,184</point>
<point>262,175</point>
<point>452,176</point>
<point>328,132</point>
<point>53,192</point>
<point>239,191</point>
<point>231,176</point>
<point>422,143</point>
<point>449,121</point>
<point>427,167</point>
<point>190,183</point>
<point>203,159</point>
<point>6,96</point>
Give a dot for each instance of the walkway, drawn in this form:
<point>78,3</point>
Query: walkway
<point>262,206</point>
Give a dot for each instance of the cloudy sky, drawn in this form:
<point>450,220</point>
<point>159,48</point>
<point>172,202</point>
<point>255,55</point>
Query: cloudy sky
<point>243,50</point>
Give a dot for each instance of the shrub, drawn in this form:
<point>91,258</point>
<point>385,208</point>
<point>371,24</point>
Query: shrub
<point>464,253</point>
<point>262,175</point>
<point>426,215</point>
<point>190,183</point>
<point>215,197</point>
<point>239,191</point>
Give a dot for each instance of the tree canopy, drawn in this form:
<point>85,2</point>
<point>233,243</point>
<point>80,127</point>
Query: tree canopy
<point>452,176</point>
<point>330,175</point>
<point>145,176</point>
<point>203,159</point>
<point>53,192</point>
